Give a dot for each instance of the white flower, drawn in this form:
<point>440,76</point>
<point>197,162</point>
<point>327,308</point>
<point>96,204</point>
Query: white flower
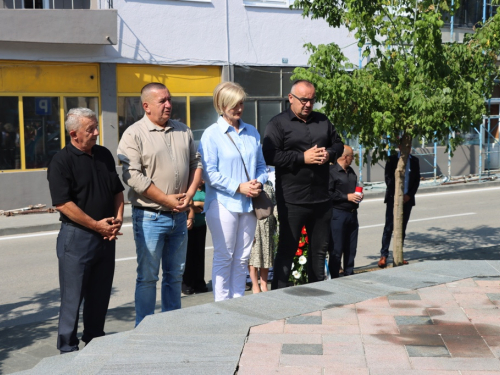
<point>296,274</point>
<point>302,259</point>
<point>293,265</point>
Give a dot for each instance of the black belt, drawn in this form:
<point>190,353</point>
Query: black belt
<point>152,210</point>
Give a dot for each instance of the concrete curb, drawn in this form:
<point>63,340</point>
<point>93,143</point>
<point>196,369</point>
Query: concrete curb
<point>208,339</point>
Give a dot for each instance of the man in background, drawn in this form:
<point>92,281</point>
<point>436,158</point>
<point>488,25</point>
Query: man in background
<point>344,223</point>
<point>412,182</point>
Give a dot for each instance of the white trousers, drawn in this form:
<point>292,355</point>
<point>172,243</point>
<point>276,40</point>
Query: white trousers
<point>232,237</point>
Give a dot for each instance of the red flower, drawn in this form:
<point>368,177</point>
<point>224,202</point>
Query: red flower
<point>301,244</point>
<point>299,252</point>
<point>307,239</point>
<point>304,230</point>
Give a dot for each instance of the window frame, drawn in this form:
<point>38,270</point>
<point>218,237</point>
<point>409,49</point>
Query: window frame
<point>282,4</point>
<point>62,114</point>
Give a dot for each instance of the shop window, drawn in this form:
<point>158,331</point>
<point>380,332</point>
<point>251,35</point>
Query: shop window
<point>259,81</point>
<point>203,115</point>
<point>249,112</point>
<point>10,138</point>
<point>42,130</point>
<point>267,89</point>
<point>266,111</point>
<point>80,102</point>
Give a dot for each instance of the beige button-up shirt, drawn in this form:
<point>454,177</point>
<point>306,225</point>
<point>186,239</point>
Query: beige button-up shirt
<point>163,156</point>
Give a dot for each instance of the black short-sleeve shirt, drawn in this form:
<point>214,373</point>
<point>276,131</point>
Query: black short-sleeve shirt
<point>90,181</point>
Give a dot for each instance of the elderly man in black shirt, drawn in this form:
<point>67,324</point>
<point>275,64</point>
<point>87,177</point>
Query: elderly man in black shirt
<point>344,224</point>
<point>88,193</point>
<point>299,143</point>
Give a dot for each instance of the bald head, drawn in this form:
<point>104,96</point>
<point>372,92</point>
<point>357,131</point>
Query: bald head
<point>301,84</point>
<point>302,97</point>
<point>149,89</point>
<point>347,150</point>
<point>347,157</point>
<point>157,103</point>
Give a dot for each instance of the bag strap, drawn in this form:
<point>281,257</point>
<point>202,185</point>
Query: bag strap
<point>244,166</point>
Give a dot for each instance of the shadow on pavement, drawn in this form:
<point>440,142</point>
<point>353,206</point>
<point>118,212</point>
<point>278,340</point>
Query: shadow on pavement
<point>451,244</point>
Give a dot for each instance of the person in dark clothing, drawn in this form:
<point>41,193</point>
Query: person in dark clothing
<point>193,280</point>
<point>344,223</point>
<point>88,193</point>
<point>299,143</point>
<point>412,182</point>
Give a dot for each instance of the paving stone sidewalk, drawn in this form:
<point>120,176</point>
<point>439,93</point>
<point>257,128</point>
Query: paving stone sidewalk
<point>452,328</point>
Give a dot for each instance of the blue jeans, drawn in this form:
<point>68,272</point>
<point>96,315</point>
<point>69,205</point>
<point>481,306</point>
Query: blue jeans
<point>159,237</point>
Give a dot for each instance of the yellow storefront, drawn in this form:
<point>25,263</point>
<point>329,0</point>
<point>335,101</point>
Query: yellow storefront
<point>34,97</point>
<point>191,89</point>
<point>33,100</point>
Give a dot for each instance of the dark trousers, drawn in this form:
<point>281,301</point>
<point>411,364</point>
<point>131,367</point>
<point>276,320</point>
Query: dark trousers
<point>194,273</point>
<point>389,226</point>
<point>86,269</point>
<point>292,217</point>
<point>344,240</point>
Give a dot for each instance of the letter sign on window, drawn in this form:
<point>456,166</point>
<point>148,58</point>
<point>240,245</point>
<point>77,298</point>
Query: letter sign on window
<point>43,106</point>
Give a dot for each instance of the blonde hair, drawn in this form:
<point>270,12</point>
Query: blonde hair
<point>228,95</point>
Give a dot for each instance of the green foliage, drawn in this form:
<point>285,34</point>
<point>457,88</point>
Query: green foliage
<point>413,84</point>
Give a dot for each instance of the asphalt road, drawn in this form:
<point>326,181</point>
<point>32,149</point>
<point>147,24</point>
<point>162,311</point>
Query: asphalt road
<point>441,225</point>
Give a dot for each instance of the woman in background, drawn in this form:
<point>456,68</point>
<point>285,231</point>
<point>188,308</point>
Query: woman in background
<point>229,150</point>
<point>263,249</point>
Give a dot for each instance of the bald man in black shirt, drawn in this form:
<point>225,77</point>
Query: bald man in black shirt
<point>344,224</point>
<point>299,143</point>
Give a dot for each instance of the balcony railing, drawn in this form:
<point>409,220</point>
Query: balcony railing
<point>56,4</point>
<point>470,13</point>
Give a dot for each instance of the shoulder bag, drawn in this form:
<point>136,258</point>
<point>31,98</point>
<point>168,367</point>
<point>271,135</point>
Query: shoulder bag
<point>262,204</point>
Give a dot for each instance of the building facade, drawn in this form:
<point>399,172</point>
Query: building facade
<point>59,54</point>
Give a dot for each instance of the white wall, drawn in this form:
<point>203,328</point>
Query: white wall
<point>194,33</point>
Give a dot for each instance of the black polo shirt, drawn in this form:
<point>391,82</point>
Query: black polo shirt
<point>286,139</point>
<point>90,181</point>
<point>342,182</point>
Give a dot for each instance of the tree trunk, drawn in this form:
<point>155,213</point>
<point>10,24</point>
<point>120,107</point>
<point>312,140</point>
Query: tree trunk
<point>404,149</point>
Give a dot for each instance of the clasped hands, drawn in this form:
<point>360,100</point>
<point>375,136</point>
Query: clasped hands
<point>250,189</point>
<point>178,202</point>
<point>109,228</point>
<point>316,155</point>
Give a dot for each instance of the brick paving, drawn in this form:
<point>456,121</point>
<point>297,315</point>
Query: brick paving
<point>447,329</point>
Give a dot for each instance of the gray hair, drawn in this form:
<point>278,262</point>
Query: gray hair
<point>73,118</point>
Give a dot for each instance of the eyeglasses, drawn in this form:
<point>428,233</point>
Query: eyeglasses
<point>304,101</point>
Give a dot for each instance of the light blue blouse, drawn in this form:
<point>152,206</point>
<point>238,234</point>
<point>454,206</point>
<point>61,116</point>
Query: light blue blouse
<point>223,170</point>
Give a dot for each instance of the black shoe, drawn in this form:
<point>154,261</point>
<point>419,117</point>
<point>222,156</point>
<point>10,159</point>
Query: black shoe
<point>188,290</point>
<point>201,290</point>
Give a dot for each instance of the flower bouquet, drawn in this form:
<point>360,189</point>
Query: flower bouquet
<point>298,273</point>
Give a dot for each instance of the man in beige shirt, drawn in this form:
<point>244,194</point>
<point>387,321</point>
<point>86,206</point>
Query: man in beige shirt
<point>163,170</point>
